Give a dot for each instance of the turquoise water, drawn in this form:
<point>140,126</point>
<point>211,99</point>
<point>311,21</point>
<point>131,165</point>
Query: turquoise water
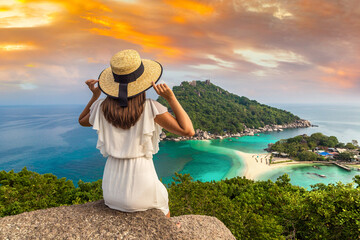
<point>299,175</point>
<point>192,157</point>
<point>249,144</point>
<point>48,139</point>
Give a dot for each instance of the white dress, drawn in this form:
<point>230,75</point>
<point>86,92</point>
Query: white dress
<point>130,182</point>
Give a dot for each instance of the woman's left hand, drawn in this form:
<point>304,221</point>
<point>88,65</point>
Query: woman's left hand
<point>95,90</point>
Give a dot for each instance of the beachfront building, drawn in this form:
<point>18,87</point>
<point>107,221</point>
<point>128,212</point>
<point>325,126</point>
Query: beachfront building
<point>326,154</point>
<point>341,150</point>
<point>282,155</point>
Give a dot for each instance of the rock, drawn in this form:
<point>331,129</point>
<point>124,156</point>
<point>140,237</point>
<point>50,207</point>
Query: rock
<point>193,83</point>
<point>95,220</point>
<point>205,225</point>
<point>162,135</point>
<point>205,134</point>
<point>197,131</point>
<point>202,135</point>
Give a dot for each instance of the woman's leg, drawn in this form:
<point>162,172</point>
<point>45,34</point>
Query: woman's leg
<point>168,215</point>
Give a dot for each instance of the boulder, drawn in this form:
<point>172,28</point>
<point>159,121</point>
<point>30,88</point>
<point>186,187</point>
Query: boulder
<point>94,220</point>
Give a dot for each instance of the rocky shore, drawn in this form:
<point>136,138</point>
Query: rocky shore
<point>204,135</point>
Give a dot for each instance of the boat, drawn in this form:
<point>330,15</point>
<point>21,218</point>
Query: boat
<point>317,167</point>
<point>316,174</point>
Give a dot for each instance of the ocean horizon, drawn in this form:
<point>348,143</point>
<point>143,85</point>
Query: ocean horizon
<point>48,139</point>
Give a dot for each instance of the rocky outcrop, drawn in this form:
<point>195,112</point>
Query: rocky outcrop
<point>95,220</point>
<point>204,135</point>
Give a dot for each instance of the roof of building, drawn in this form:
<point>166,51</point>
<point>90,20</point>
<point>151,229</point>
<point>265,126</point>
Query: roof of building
<point>325,153</point>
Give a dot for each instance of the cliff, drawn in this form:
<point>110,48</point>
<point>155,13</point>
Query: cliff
<point>94,220</point>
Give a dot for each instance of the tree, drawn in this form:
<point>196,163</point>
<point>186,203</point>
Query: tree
<point>350,146</point>
<point>345,156</point>
<point>307,156</point>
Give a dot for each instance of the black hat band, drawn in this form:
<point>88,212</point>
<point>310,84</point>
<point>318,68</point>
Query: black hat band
<point>123,81</point>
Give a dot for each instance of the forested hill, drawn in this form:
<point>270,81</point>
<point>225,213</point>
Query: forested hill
<point>214,109</point>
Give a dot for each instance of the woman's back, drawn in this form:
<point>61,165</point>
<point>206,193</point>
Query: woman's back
<point>140,140</point>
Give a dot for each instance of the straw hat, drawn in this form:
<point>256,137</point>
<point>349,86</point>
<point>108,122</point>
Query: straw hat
<point>128,75</point>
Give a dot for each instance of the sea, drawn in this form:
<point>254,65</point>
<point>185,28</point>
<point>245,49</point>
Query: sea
<point>48,139</point>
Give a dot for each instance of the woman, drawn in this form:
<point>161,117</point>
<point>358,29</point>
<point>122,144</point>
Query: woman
<point>128,127</point>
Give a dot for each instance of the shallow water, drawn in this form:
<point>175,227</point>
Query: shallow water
<point>299,175</point>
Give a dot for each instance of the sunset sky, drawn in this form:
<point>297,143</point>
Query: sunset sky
<point>273,51</point>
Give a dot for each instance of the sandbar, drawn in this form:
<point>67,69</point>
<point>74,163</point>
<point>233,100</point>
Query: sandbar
<point>258,164</point>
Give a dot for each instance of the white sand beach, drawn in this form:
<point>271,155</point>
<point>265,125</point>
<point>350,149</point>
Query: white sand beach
<point>258,164</point>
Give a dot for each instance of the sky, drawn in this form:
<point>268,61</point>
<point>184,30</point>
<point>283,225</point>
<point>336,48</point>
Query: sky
<point>273,51</point>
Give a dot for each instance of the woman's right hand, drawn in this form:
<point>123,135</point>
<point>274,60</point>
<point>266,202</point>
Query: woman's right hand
<point>181,124</point>
<point>164,91</point>
<point>95,90</point>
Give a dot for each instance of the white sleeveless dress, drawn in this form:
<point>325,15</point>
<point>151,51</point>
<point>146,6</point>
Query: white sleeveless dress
<point>130,182</point>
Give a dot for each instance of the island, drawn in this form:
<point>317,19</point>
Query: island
<point>317,148</point>
<point>217,113</point>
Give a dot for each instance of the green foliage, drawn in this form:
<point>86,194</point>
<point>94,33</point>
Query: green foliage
<point>340,145</point>
<point>350,146</point>
<point>307,156</point>
<point>346,156</point>
<point>267,210</point>
<point>297,147</point>
<point>218,111</point>
<point>250,209</point>
<point>357,180</point>
<point>26,191</point>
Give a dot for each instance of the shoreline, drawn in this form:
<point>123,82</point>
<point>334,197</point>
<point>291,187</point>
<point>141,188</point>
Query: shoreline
<point>204,135</point>
<point>257,164</point>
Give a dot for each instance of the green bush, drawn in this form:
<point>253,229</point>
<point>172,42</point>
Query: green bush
<point>26,191</point>
<point>250,209</point>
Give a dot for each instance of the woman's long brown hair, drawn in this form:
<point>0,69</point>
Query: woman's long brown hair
<point>123,117</point>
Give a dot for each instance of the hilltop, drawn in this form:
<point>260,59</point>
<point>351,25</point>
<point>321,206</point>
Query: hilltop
<point>218,111</point>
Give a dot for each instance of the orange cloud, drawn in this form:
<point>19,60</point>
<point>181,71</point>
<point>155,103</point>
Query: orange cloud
<point>322,8</point>
<point>16,46</point>
<point>75,6</point>
<point>4,8</point>
<point>179,19</point>
<point>344,77</point>
<point>192,6</point>
<point>31,65</point>
<point>16,14</point>
<point>125,31</point>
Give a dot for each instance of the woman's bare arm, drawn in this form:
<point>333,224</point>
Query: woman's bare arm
<point>85,115</point>
<point>181,124</point>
